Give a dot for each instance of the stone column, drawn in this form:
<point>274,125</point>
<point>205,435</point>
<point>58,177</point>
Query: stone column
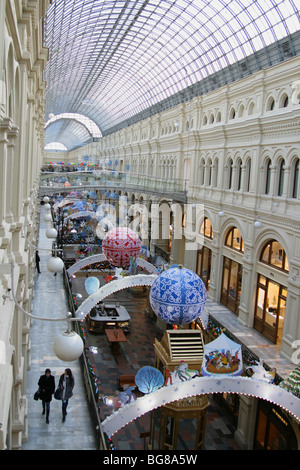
<point>13,186</point>
<point>246,422</point>
<point>291,329</point>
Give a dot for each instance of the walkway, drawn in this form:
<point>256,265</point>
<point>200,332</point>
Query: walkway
<point>76,433</point>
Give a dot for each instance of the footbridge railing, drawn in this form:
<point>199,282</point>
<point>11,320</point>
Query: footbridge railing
<point>110,181</point>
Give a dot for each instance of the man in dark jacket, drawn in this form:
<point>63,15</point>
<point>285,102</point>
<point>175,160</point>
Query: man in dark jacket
<point>46,385</point>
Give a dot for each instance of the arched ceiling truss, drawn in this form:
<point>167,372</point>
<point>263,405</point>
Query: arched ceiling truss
<point>117,61</point>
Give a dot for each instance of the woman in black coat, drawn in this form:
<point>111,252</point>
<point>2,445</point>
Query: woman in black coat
<point>66,385</point>
<point>46,385</point>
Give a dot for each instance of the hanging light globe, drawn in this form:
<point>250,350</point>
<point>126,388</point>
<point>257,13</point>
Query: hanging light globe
<point>55,265</point>
<point>68,346</point>
<point>51,233</point>
<point>178,296</point>
<point>46,199</point>
<point>47,206</point>
<point>47,217</point>
<point>120,245</point>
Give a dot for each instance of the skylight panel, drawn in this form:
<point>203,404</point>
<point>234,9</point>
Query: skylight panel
<point>102,53</point>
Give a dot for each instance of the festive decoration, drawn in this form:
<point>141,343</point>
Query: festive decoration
<point>178,296</point>
<point>119,245</point>
<point>180,374</point>
<point>148,379</point>
<point>292,383</point>
<point>222,357</point>
<point>260,373</point>
<point>91,285</point>
<point>201,386</point>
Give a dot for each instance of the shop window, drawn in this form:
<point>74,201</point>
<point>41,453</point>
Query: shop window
<point>274,254</point>
<point>273,430</point>
<point>234,239</point>
<point>231,284</point>
<point>270,308</point>
<point>203,265</point>
<point>206,228</point>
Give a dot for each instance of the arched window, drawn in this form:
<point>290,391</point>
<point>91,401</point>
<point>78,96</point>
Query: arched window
<point>209,172</point>
<point>295,178</point>
<point>280,178</point>
<point>234,239</point>
<point>230,172</point>
<point>274,254</point>
<point>201,172</point>
<point>206,228</point>
<point>248,175</point>
<point>268,176</point>
<point>271,104</point>
<point>239,174</point>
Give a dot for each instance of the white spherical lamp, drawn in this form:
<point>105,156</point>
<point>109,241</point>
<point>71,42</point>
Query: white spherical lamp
<point>47,206</point>
<point>46,199</point>
<point>55,265</point>
<point>51,233</point>
<point>47,217</point>
<point>68,346</point>
<point>257,224</point>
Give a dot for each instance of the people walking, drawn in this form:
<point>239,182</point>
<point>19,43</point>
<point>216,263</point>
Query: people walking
<point>66,385</point>
<point>37,262</point>
<point>46,385</point>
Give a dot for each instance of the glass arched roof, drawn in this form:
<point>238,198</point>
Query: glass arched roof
<point>113,60</point>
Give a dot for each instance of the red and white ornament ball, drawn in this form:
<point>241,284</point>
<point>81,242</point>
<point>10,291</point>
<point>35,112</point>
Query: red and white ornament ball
<point>120,245</point>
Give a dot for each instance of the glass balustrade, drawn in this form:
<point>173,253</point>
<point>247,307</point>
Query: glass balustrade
<point>112,181</point>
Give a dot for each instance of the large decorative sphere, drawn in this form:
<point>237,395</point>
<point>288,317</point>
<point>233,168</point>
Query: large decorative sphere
<point>55,265</point>
<point>120,245</point>
<point>47,217</point>
<point>178,296</point>
<point>91,285</point>
<point>51,233</point>
<point>68,346</point>
<point>148,379</point>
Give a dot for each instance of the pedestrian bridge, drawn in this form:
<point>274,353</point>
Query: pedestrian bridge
<point>201,386</point>
<point>110,182</point>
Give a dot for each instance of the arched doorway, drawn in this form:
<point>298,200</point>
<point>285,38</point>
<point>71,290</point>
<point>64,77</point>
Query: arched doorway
<point>271,291</point>
<point>232,271</point>
<point>204,254</point>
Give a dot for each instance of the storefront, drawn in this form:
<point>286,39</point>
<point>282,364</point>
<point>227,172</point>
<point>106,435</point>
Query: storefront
<point>232,270</point>
<point>273,430</point>
<point>271,291</point>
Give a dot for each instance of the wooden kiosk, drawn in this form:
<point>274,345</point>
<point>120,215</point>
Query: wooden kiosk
<point>176,346</point>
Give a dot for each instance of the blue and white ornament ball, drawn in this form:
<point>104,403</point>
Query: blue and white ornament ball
<point>178,295</point>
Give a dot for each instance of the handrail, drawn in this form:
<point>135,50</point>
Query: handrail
<point>85,370</point>
<point>113,181</point>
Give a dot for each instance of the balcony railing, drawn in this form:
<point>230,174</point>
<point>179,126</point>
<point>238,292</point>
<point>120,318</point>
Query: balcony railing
<point>111,181</point>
